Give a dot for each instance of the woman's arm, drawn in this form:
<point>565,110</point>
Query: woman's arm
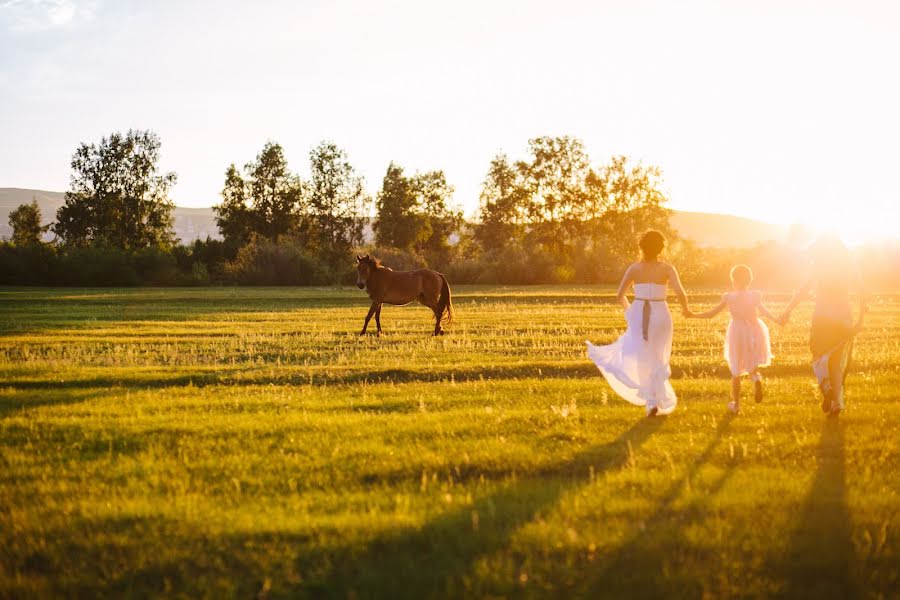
<point>679,290</point>
<point>709,314</point>
<point>799,296</point>
<point>627,280</point>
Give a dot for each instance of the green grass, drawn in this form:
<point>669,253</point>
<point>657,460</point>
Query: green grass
<point>242,442</point>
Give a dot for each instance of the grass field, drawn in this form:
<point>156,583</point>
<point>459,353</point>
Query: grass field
<point>246,442</point>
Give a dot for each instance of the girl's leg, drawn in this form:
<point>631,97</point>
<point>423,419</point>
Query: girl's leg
<point>756,378</point>
<point>735,404</point>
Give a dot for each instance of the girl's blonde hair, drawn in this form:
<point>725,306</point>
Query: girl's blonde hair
<point>741,275</point>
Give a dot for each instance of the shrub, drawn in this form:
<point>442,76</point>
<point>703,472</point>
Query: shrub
<point>30,264</point>
<point>156,266</point>
<point>96,265</point>
<point>399,260</point>
<point>263,262</point>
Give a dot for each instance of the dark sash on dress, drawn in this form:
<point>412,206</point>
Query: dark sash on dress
<point>645,314</point>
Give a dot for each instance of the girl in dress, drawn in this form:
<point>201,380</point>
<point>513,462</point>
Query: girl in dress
<point>747,347</point>
<point>637,364</point>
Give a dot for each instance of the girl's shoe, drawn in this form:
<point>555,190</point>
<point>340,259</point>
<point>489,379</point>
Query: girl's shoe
<point>651,411</point>
<point>733,407</point>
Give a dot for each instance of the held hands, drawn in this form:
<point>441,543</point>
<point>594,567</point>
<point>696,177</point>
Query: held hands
<point>783,319</point>
<point>687,312</point>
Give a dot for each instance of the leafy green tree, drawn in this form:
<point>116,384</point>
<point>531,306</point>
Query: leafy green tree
<point>434,200</point>
<point>414,214</point>
<point>336,205</point>
<point>117,196</point>
<point>26,224</point>
<point>555,176</point>
<point>234,216</point>
<point>624,201</point>
<point>266,201</point>
<point>399,223</point>
<point>503,205</point>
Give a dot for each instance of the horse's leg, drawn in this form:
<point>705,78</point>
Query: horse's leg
<point>433,305</point>
<point>369,317</point>
<point>378,318</point>
<point>438,330</point>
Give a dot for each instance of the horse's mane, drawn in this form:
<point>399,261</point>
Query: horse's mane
<point>372,261</point>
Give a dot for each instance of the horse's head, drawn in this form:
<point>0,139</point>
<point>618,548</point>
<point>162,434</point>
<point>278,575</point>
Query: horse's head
<point>365,266</point>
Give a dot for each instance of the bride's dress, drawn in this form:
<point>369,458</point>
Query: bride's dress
<point>637,364</point>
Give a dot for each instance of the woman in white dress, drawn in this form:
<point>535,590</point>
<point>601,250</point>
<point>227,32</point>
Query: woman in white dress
<point>637,364</point>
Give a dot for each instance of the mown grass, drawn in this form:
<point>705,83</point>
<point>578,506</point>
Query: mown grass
<point>244,442</point>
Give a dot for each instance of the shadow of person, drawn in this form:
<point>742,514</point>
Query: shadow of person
<point>645,565</point>
<point>435,559</point>
<point>820,556</point>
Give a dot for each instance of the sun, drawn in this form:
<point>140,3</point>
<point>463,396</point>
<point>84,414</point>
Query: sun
<point>856,223</point>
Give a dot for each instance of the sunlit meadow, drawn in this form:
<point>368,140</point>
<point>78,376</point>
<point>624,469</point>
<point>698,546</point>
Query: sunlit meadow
<point>247,442</point>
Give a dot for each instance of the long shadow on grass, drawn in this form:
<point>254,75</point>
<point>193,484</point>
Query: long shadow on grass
<point>641,565</point>
<point>252,375</point>
<point>820,557</point>
<point>434,560</point>
<point>23,402</point>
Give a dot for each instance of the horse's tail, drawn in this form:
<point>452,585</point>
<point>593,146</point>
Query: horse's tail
<point>445,304</point>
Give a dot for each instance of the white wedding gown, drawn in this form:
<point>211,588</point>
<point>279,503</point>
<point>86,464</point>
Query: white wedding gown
<point>637,369</point>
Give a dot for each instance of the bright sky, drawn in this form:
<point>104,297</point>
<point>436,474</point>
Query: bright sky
<point>783,111</point>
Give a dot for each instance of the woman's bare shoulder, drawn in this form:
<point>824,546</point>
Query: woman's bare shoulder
<point>669,268</point>
<point>633,268</point>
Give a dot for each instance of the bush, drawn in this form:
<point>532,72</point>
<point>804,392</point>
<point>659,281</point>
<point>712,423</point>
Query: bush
<point>466,270</point>
<point>214,255</point>
<point>156,266</point>
<point>399,260</point>
<point>31,264</point>
<point>263,262</point>
<point>94,265</point>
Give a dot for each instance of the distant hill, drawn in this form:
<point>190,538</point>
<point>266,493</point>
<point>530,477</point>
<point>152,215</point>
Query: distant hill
<point>706,229</point>
<point>725,231</point>
<point>190,223</point>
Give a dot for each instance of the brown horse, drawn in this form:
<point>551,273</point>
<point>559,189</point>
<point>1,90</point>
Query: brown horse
<point>402,287</point>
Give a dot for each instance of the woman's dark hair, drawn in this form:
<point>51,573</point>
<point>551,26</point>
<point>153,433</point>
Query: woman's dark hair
<point>652,243</point>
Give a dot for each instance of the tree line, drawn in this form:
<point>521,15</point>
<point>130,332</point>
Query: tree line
<point>551,217</point>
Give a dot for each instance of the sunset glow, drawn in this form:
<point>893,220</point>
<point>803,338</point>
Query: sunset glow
<point>778,111</point>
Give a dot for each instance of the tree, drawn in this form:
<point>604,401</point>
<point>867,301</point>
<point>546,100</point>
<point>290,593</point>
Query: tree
<point>266,201</point>
<point>414,214</point>
<point>117,196</point>
<point>234,217</point>
<point>337,205</point>
<point>624,201</point>
<point>398,223</point>
<point>26,224</point>
<point>434,195</point>
<point>556,175</point>
<point>503,205</point>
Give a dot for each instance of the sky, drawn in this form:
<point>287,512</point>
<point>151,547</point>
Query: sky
<point>784,111</point>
